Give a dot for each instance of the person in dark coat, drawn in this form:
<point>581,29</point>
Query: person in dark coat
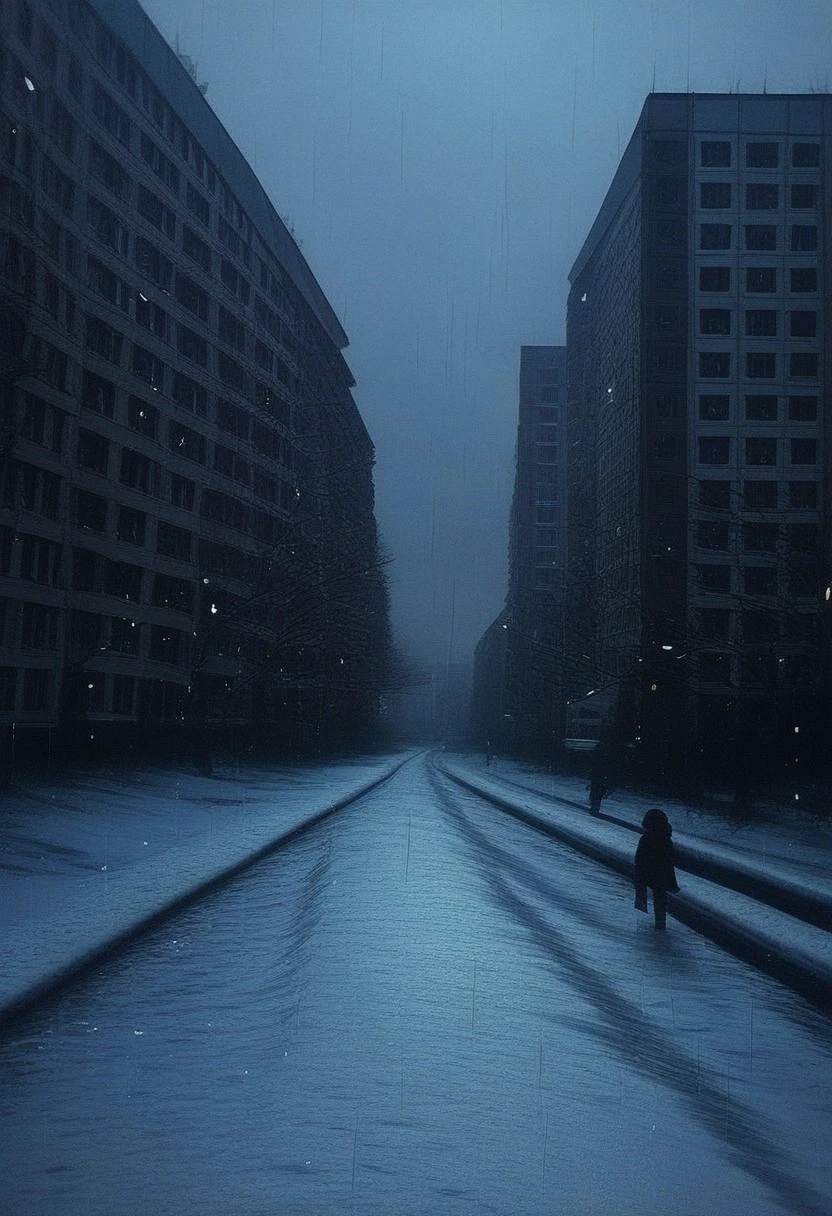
<point>654,864</point>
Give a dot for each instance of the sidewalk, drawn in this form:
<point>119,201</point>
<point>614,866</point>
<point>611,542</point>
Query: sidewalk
<point>87,863</point>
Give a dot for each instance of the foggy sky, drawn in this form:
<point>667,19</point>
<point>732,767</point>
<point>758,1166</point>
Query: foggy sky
<point>441,162</point>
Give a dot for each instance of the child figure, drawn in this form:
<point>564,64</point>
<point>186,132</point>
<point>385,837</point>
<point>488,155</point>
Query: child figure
<point>654,864</point>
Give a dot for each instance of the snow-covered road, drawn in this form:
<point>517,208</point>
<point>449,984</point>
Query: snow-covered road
<point>421,1006</point>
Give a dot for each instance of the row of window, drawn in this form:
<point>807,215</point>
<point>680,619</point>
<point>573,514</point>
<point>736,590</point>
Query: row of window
<point>800,579</point>
<point>759,495</point>
<point>759,196</point>
<point>759,365</point>
<point>803,238</point>
<point>758,407</point>
<point>716,450</point>
<point>722,624</point>
<point>759,279</point>
<point>717,154</point>
<point>759,322</point>
<point>756,537</point>
<point>32,690</point>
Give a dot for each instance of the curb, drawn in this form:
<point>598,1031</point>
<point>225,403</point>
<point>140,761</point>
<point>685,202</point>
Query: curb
<point>797,970</point>
<point>24,997</point>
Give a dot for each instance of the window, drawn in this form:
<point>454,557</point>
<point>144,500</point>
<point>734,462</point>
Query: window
<point>714,449</point>
<point>759,495</point>
<point>761,451</point>
<point>714,236</point>
<point>715,494</point>
<point>152,317</point>
<point>803,451</point>
<point>668,359</point>
<point>142,417</point>
<point>232,419</point>
<point>715,623</point>
<point>713,578</point>
<point>714,194</point>
<point>761,322</point>
<point>803,538</point>
<point>164,169</point>
<point>714,364</point>
<point>131,526</point>
<point>40,560</point>
<point>231,373</point>
<point>804,238</point>
<point>124,694</point>
<point>715,154</point>
<point>805,156</point>
<point>150,261</point>
<point>235,282</point>
<point>232,330</point>
<point>714,278</point>
<point>157,213</point>
<point>713,534</point>
<point>761,237</point>
<point>173,593</point>
<point>803,365</point>
<point>196,249</point>
<point>109,172</point>
<point>191,345</point>
<point>39,627</point>
<point>8,688</point>
<point>667,447</point>
<point>760,365</point>
<point>803,495</point>
<point>804,197</point>
<point>761,408</point>
<point>165,644</point>
<point>715,668</point>
<point>667,405</point>
<point>668,276</point>
<point>803,409</point>
<point>102,339</point>
<point>759,279</point>
<point>758,627</point>
<point>111,116</point>
<point>803,278</point>
<point>138,472</point>
<point>762,155</point>
<point>61,126</point>
<point>186,442</point>
<point>145,365</point>
<point>803,324</point>
<point>190,395</point>
<point>107,284</point>
<point>191,296</point>
<point>35,689</point>
<point>762,197</point>
<point>759,538</point>
<point>90,511</point>
<point>714,320</point>
<point>93,451</point>
<point>803,582</point>
<point>714,407</point>
<point>760,580</point>
<point>198,205</point>
<point>182,492</point>
<point>172,541</point>
<point>106,226</point>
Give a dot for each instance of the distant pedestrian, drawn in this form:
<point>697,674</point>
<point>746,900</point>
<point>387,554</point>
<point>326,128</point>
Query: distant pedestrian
<point>654,864</point>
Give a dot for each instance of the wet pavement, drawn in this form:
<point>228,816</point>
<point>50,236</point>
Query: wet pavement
<point>421,1006</point>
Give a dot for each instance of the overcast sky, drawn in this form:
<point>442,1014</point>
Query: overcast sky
<point>441,162</point>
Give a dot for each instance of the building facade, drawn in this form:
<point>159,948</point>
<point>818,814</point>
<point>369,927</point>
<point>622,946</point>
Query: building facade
<point>698,382</point>
<point>186,525</point>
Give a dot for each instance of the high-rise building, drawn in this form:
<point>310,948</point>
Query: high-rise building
<point>186,501</point>
<point>698,381</point>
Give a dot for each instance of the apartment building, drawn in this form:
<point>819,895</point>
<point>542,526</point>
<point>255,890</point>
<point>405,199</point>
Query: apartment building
<point>698,382</point>
<point>186,521</point>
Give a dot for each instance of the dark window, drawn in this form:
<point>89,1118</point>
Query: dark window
<point>715,623</point>
<point>668,359</point>
<point>715,154</point>
<point>714,320</point>
<point>759,495</point>
<point>152,262</point>
<point>124,694</point>
<point>760,580</point>
<point>232,419</point>
<point>715,668</point>
<point>173,541</point>
<point>182,491</point>
<point>667,318</point>
<point>803,495</point>
<point>803,581</point>
<point>803,538</point>
<point>236,283</point>
<point>233,331</point>
<point>173,593</point>
<point>714,364</point>
<point>715,494</point>
<point>804,197</point>
<point>156,212</point>
<point>667,447</point>
<point>803,324</point>
<point>93,451</point>
<point>713,534</point>
<point>668,405</point>
<point>761,322</point>
<point>165,644</point>
<point>189,394</point>
<point>805,156</point>
<point>759,538</point>
<point>198,205</point>
<point>39,627</point>
<point>191,345</point>
<point>145,365</point>
<point>109,172</point>
<point>758,627</point>
<point>714,236</point>
<point>164,169</point>
<point>760,365</point>
<point>762,197</point>
<point>714,449</point>
<point>106,283</point>
<point>98,394</point>
<point>714,407</point>
<point>186,442</point>
<point>714,278</point>
<point>761,155</point>
<point>804,238</point>
<point>142,417</point>
<point>131,526</point>
<point>803,278</point>
<point>713,578</point>
<point>191,296</point>
<point>90,511</point>
<point>668,277</point>
<point>152,317</point>
<point>231,372</point>
<point>35,689</point>
<point>761,279</point>
<point>803,451</point>
<point>107,226</point>
<point>196,249</point>
<point>761,451</point>
<point>803,365</point>
<point>111,116</point>
<point>761,407</point>
<point>803,409</point>
<point>138,472</point>
<point>715,194</point>
<point>761,236</point>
